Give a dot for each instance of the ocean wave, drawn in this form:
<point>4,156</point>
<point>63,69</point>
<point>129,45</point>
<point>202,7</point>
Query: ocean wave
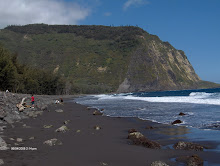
<point>200,94</point>
<point>194,99</point>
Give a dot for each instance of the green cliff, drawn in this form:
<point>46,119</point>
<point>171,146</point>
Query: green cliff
<point>99,59</point>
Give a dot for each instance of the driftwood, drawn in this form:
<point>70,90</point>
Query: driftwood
<point>20,106</point>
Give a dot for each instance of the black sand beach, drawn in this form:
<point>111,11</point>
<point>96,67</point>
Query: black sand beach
<point>82,145</point>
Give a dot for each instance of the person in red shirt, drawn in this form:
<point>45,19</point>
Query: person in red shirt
<point>32,100</point>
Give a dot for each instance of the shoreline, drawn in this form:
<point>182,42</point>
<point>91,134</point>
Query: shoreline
<point>109,145</point>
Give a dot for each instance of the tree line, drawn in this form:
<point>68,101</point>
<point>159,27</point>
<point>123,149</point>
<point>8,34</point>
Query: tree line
<point>25,79</point>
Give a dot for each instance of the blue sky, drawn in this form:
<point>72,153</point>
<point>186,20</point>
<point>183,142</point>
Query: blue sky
<point>189,25</point>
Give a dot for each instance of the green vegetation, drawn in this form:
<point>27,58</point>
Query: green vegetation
<point>93,59</point>
<point>24,79</point>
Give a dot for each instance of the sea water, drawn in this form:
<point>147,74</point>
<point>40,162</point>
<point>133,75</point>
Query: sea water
<point>202,107</point>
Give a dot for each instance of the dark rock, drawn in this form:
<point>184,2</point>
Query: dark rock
<point>59,110</point>
<point>195,160</point>
<point>158,163</point>
<point>176,122</point>
<point>132,130</point>
<point>66,121</point>
<point>139,139</point>
<point>34,114</point>
<point>3,144</point>
<point>97,127</point>
<point>19,140</point>
<point>2,114</point>
<point>181,114</point>
<point>47,126</point>
<point>53,142</point>
<point>1,162</point>
<point>149,127</point>
<point>96,112</point>
<point>62,129</point>
<point>188,146</point>
<point>8,120</point>
<point>31,138</point>
<point>44,108</point>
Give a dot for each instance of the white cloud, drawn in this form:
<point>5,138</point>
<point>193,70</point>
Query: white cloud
<point>41,11</point>
<point>134,3</point>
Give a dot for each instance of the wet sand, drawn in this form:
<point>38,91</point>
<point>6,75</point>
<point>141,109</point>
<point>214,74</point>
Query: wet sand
<point>82,145</point>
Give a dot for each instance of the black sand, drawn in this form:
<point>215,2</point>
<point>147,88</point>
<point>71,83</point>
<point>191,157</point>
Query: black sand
<point>82,145</point>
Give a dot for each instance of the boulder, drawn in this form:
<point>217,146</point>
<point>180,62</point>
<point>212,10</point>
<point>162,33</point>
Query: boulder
<point>97,127</point>
<point>195,160</point>
<point>181,114</point>
<point>3,145</point>
<point>158,163</point>
<point>31,138</point>
<point>96,112</point>
<point>8,120</point>
<point>176,122</point>
<point>2,114</point>
<point>2,128</point>
<point>34,114</point>
<point>59,110</point>
<point>52,142</point>
<point>62,129</point>
<point>103,164</point>
<point>25,126</point>
<point>149,127</point>
<point>47,126</point>
<point>66,121</point>
<point>19,140</point>
<point>44,108</point>
<point>1,162</point>
<point>134,135</point>
<point>132,130</point>
<point>188,146</point>
<point>139,139</point>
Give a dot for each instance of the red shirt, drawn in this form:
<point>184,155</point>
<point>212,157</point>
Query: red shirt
<point>32,98</point>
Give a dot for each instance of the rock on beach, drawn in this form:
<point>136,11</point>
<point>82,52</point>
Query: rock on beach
<point>139,139</point>
<point>52,142</point>
<point>158,163</point>
<point>188,146</point>
<point>3,144</point>
<point>62,129</point>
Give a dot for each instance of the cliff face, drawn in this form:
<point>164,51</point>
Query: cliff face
<point>158,66</point>
<point>99,59</point>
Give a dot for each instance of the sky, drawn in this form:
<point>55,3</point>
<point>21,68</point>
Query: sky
<point>189,25</point>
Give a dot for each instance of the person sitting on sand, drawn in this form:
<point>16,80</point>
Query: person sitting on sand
<point>32,100</point>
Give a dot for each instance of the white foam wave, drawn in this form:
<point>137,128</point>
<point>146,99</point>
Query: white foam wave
<point>178,99</point>
<point>194,98</point>
<point>200,94</point>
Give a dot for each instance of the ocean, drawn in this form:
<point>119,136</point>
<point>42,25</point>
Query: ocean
<point>200,124</point>
<point>202,107</point>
